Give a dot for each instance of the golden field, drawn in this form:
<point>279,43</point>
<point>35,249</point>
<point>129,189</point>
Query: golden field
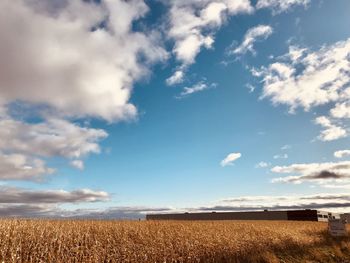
<point>168,241</point>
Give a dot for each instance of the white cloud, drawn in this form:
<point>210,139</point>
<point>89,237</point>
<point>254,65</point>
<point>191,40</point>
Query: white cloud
<point>320,173</point>
<point>200,86</point>
<point>57,59</point>
<point>262,165</point>
<point>53,137</point>
<point>279,6</point>
<point>307,79</point>
<point>250,87</point>
<point>342,110</point>
<point>176,78</point>
<point>25,144</point>
<point>280,156</point>
<point>321,77</point>
<point>192,24</point>
<point>286,147</point>
<point>52,57</point>
<point>253,35</point>
<point>22,167</point>
<point>79,164</point>
<point>229,159</point>
<point>331,132</point>
<point>342,153</point>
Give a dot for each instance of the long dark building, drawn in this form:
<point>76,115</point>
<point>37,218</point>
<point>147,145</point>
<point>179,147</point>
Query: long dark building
<point>296,215</point>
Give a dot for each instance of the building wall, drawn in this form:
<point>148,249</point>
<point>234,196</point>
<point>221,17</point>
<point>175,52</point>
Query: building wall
<point>295,215</point>
<point>268,215</point>
<point>302,215</point>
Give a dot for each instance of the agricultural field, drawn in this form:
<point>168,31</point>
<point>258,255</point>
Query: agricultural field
<point>169,241</point>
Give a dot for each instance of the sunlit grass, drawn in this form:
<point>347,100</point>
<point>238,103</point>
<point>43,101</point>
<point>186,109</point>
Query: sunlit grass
<point>167,241</point>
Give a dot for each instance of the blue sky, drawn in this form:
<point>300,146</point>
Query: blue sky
<point>115,109</point>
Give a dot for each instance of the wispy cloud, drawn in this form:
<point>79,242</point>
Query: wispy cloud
<point>176,78</point>
<point>79,164</point>
<point>262,165</point>
<point>286,147</point>
<point>200,86</point>
<point>230,158</point>
<point>253,35</point>
<point>280,156</point>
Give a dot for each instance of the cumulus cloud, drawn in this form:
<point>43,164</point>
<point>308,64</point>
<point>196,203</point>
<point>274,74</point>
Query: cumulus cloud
<point>322,77</point>
<point>52,137</point>
<point>342,153</point>
<point>341,110</point>
<point>305,79</point>
<point>331,131</point>
<point>279,6</point>
<point>230,158</point>
<point>22,167</point>
<point>192,26</point>
<point>320,173</point>
<point>253,35</point>
<point>26,144</point>
<point>68,61</point>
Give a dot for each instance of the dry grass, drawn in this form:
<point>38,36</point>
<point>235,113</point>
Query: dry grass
<point>168,241</point>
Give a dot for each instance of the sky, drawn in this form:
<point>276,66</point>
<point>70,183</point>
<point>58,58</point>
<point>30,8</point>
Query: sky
<point>116,109</point>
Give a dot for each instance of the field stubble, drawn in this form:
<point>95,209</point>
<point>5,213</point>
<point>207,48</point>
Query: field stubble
<point>169,241</point>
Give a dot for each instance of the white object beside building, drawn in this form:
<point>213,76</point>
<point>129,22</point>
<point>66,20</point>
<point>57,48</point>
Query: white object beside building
<point>337,227</point>
<point>346,217</point>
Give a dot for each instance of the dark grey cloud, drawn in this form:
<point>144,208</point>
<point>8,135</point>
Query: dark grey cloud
<point>48,206</point>
<point>252,199</point>
<point>326,175</point>
<point>26,210</point>
<point>254,203</point>
<point>313,172</point>
<point>12,195</point>
<point>53,211</point>
<point>329,205</point>
<point>327,197</point>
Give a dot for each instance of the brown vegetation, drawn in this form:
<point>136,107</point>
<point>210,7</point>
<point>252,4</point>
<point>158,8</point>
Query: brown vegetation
<point>168,241</point>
